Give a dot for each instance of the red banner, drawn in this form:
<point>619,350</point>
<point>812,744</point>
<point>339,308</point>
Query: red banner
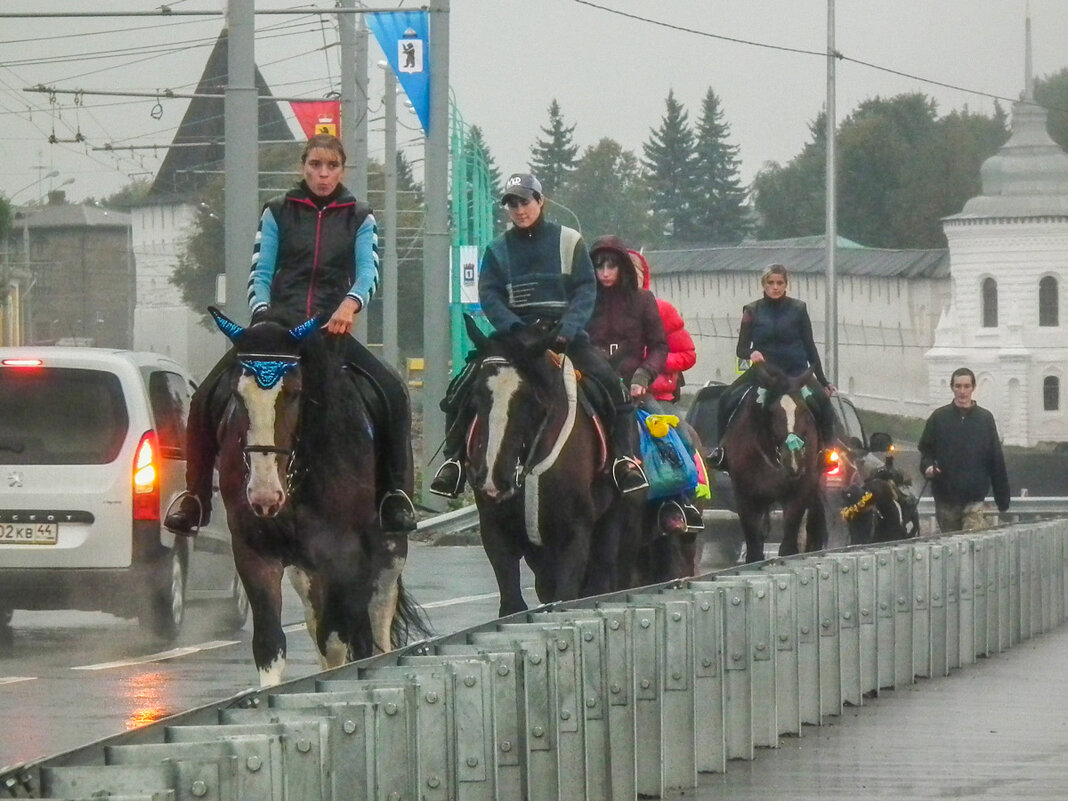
<point>318,116</point>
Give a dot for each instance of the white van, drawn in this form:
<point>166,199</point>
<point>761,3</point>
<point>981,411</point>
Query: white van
<point>91,455</point>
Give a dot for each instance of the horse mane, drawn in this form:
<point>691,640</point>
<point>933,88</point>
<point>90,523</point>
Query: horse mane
<point>524,349</point>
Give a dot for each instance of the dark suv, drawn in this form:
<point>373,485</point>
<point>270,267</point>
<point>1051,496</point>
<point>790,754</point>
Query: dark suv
<point>850,447</point>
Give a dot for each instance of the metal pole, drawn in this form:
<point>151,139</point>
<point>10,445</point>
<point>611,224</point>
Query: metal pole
<point>353,39</point>
<point>831,321</point>
<point>241,125</point>
<point>436,338</point>
<point>390,276</point>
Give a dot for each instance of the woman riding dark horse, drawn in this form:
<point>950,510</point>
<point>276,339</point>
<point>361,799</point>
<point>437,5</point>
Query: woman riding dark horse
<point>539,272</point>
<point>296,473</point>
<point>773,448</point>
<point>776,329</point>
<point>316,253</point>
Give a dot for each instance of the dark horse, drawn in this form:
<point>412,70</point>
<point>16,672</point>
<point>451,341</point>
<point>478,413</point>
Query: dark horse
<point>297,476</point>
<point>536,464</point>
<point>773,450</point>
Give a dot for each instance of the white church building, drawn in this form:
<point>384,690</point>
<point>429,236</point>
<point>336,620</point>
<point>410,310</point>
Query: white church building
<point>1008,261</point>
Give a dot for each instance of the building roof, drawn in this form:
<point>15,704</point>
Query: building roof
<point>69,215</point>
<point>801,255</point>
<point>198,145</point>
<point>1027,177</point>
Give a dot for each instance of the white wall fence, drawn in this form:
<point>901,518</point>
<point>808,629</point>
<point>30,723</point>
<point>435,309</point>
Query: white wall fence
<point>604,699</point>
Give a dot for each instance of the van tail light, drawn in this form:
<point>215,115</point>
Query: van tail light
<point>146,478</point>
<point>832,465</point>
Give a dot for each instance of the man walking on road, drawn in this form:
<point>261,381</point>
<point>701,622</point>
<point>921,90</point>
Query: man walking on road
<point>960,454</point>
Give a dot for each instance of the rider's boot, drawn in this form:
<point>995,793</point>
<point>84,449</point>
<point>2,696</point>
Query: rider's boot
<point>670,518</point>
<point>449,480</point>
<point>191,513</point>
<point>193,508</point>
<point>626,469</point>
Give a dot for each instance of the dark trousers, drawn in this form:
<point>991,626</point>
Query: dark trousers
<point>394,433</point>
<point>818,402</point>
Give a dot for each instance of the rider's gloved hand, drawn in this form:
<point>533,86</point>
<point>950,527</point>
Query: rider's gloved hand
<point>260,314</point>
<point>560,344</point>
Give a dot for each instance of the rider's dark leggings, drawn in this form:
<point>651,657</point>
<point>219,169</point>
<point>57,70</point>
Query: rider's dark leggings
<point>818,402</point>
<point>396,451</point>
<point>589,361</point>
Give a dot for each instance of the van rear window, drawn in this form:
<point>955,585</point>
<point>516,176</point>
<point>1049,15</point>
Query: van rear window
<point>60,416</point>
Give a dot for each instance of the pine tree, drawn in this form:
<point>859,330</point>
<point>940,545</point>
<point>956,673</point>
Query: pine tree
<point>721,215</point>
<point>553,159</point>
<point>670,161</point>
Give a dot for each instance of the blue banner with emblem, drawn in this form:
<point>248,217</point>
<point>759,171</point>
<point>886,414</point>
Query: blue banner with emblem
<point>403,37</point>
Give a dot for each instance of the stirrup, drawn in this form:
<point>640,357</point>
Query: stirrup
<point>694,519</point>
<point>640,484</point>
<point>406,513</point>
<point>443,486</point>
<point>169,522</point>
<point>671,518</point>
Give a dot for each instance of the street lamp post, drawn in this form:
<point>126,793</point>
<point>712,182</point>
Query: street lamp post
<point>390,262</point>
<point>45,177</point>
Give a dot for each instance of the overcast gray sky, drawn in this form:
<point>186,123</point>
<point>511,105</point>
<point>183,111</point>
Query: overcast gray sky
<point>611,73</point>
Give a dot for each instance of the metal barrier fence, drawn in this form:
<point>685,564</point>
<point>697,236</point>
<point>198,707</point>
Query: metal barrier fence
<point>608,698</point>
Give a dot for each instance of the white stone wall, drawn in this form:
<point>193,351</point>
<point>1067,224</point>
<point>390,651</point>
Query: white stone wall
<point>885,327</point>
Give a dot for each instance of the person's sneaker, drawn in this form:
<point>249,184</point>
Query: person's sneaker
<point>396,512</point>
<point>694,519</point>
<point>449,480</point>
<point>671,518</point>
<point>717,459</point>
<point>628,475</point>
<point>190,515</point>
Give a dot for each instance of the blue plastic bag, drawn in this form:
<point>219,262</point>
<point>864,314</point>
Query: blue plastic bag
<point>667,463</point>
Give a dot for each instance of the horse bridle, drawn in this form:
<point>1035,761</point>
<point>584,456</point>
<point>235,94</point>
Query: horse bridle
<point>521,468</point>
<point>268,369</point>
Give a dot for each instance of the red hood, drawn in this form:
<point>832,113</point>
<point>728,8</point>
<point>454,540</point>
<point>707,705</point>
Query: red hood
<point>641,267</point>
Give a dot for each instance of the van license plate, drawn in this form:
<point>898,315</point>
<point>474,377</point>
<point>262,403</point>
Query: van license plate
<point>29,533</point>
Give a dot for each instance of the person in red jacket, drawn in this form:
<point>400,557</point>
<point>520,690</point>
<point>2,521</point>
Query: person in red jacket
<point>681,357</point>
<point>681,353</point>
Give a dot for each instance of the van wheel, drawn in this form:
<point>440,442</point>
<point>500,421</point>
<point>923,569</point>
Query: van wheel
<point>165,609</point>
<point>234,610</point>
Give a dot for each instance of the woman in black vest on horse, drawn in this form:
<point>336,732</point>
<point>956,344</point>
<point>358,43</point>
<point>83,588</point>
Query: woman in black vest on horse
<point>316,253</point>
<point>777,329</point>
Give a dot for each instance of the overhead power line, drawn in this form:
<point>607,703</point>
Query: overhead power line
<point>819,53</point>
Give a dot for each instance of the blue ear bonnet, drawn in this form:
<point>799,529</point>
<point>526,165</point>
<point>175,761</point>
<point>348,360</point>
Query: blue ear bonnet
<point>269,372</point>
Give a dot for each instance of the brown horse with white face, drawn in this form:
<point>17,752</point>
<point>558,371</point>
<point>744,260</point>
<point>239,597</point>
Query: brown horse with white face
<point>773,449</point>
<point>297,476</point>
<point>537,468</point>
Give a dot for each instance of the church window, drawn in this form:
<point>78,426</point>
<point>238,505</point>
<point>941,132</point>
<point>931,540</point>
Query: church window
<point>1048,312</point>
<point>990,303</point>
<point>1051,393</point>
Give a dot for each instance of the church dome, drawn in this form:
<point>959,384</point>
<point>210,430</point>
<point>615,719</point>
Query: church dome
<point>1027,177</point>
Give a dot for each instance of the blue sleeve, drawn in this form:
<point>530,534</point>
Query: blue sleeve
<point>264,261</point>
<point>493,293</point>
<point>367,261</point>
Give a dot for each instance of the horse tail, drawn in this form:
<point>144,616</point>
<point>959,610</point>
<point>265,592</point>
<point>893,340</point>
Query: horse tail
<point>408,620</point>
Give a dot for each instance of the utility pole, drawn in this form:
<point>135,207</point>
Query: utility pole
<point>353,36</point>
<point>241,121</point>
<point>831,301</point>
<point>390,262</point>
<point>436,247</point>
